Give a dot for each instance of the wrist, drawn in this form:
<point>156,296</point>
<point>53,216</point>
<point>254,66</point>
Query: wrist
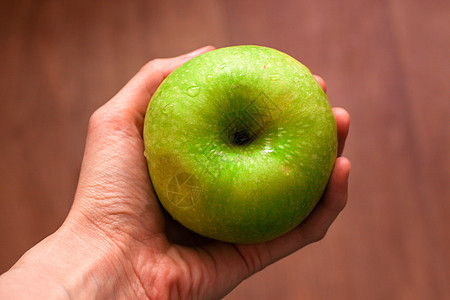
<point>66,265</point>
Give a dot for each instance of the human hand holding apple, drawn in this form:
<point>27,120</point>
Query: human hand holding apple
<point>117,232</point>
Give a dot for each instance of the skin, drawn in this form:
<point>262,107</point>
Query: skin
<point>117,242</point>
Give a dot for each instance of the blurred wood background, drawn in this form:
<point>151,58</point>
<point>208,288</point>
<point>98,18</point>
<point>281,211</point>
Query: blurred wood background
<point>386,61</point>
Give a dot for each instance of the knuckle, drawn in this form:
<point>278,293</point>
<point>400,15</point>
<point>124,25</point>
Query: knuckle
<point>339,205</point>
<point>316,236</point>
<point>151,65</point>
<point>108,120</point>
<point>96,119</point>
<point>320,236</point>
<point>343,204</point>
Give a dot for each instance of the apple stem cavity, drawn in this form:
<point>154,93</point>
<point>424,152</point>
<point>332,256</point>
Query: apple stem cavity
<point>241,138</point>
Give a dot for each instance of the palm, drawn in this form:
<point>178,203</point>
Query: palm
<point>200,265</point>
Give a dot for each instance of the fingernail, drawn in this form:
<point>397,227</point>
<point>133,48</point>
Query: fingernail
<point>199,51</point>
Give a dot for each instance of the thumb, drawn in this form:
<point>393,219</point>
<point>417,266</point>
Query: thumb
<point>134,97</point>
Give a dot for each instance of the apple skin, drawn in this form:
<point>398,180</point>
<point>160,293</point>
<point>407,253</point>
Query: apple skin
<point>240,143</point>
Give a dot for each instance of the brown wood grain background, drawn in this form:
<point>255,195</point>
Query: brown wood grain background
<point>386,61</point>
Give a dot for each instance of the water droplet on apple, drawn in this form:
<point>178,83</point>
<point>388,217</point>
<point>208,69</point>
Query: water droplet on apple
<point>167,109</point>
<point>221,66</point>
<point>209,77</point>
<point>267,149</point>
<point>274,76</point>
<point>193,91</point>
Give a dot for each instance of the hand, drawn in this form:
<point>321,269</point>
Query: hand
<point>118,242</point>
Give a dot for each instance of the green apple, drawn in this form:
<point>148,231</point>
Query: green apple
<point>240,143</point>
